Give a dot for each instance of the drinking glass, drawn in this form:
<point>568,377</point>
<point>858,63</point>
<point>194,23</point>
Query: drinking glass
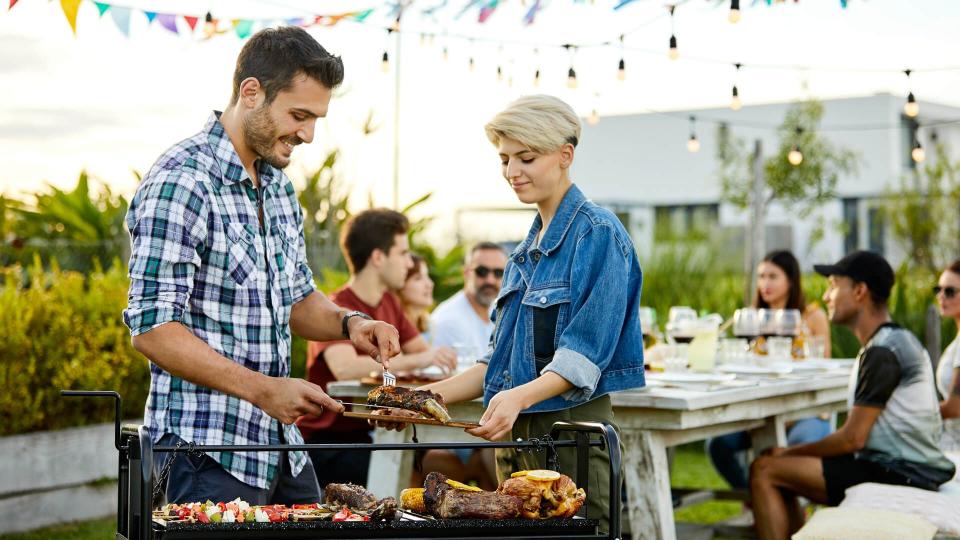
<point>815,347</point>
<point>681,322</point>
<point>648,325</point>
<point>746,323</point>
<point>767,322</point>
<point>788,322</point>
<point>780,348</point>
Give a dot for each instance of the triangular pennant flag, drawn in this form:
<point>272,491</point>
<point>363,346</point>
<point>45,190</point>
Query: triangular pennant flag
<point>621,3</point>
<point>12,3</point>
<point>70,8</point>
<point>168,21</point>
<point>191,22</point>
<point>487,10</point>
<point>151,15</point>
<point>532,13</point>
<point>294,22</point>
<point>121,17</point>
<point>243,27</point>
<point>361,15</point>
<point>102,7</point>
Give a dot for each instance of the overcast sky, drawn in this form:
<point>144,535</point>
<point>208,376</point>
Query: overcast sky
<point>110,104</point>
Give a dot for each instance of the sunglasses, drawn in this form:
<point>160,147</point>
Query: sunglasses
<point>483,271</point>
<point>948,292</point>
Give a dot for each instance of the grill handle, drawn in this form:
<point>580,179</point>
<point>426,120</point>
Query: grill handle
<point>612,443</point>
<point>102,393</point>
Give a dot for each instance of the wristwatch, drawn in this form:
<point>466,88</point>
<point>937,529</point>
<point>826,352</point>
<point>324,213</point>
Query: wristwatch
<point>346,318</point>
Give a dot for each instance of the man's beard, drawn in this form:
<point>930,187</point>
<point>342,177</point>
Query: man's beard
<point>486,294</point>
<point>260,135</point>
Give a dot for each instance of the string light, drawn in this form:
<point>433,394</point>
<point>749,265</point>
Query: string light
<point>536,78</point>
<point>499,74</point>
<point>571,74</point>
<point>470,64</point>
<point>622,66</point>
<point>673,53</point>
<point>385,62</point>
<point>693,144</point>
<point>594,117</point>
<point>795,156</point>
<point>911,108</point>
<point>917,154</point>
<point>209,25</point>
<point>734,16</point>
<point>735,102</point>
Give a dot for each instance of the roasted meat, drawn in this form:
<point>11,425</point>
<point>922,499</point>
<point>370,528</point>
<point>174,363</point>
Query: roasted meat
<point>421,401</point>
<point>350,495</point>
<point>443,501</point>
<point>544,495</point>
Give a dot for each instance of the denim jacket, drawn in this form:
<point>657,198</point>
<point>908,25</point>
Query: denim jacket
<point>571,306</point>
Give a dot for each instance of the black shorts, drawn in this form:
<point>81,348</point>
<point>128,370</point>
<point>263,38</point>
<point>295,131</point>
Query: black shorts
<point>842,472</point>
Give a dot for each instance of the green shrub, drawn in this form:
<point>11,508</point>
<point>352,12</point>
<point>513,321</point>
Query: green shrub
<point>63,330</point>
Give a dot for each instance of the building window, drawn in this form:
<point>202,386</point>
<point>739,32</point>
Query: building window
<point>685,221</point>
<point>851,240</point>
<point>877,230</point>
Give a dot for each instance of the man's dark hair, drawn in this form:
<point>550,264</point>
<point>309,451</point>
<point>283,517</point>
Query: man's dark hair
<point>275,56</point>
<point>370,230</point>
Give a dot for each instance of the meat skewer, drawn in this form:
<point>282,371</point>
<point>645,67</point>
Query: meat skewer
<point>422,401</point>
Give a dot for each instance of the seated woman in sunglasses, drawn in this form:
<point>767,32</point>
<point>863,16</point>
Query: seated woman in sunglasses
<point>948,370</point>
<point>567,328</point>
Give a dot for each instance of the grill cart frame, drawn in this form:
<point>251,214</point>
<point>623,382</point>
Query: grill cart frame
<point>135,465</point>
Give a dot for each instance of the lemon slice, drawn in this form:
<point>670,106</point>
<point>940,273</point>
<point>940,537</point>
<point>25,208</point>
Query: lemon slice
<point>543,475</point>
<point>518,474</point>
<point>461,486</point>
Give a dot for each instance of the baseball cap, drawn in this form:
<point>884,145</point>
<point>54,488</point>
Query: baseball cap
<point>863,266</point>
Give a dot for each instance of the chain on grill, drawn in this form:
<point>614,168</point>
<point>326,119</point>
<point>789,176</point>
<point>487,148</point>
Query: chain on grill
<point>165,471</point>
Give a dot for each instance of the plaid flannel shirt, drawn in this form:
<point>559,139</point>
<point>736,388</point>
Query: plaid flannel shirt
<point>201,257</point>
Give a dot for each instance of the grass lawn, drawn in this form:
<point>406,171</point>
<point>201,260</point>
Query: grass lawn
<point>691,469</point>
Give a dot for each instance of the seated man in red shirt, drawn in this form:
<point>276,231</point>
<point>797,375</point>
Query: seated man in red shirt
<point>375,246</point>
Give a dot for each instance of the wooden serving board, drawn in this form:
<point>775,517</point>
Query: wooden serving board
<point>407,420</point>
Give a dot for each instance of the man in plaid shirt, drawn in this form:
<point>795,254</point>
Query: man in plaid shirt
<point>219,279</point>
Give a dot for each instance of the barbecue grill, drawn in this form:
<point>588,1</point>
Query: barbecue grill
<point>136,487</point>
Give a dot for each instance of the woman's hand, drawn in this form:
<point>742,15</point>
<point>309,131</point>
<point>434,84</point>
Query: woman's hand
<point>443,357</point>
<point>498,419</point>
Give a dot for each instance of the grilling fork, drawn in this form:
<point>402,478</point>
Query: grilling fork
<point>389,379</point>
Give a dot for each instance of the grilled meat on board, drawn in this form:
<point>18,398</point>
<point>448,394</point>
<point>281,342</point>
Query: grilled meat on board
<point>350,495</point>
<point>422,401</point>
<point>544,499</point>
<point>445,502</point>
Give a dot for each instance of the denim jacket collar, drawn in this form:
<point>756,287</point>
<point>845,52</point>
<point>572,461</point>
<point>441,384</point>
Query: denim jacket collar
<point>572,200</point>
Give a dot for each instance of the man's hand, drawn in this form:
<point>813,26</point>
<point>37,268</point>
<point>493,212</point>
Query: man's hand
<point>443,357</point>
<point>775,451</point>
<point>498,419</point>
<point>376,338</point>
<point>287,399</point>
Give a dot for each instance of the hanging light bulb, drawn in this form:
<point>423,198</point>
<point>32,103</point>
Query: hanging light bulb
<point>673,53</point>
<point>734,16</point>
<point>911,108</point>
<point>918,154</point>
<point>693,143</point>
<point>621,70</point>
<point>536,78</point>
<point>571,78</point>
<point>499,74</point>
<point>470,64</point>
<point>446,53</point>
<point>795,157</point>
<point>735,102</point>
<point>209,25</point>
<point>395,25</point>
<point>594,118</point>
<point>385,62</point>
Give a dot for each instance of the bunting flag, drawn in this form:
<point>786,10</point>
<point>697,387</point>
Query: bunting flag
<point>191,22</point>
<point>168,21</point>
<point>70,8</point>
<point>621,3</point>
<point>487,10</point>
<point>243,27</point>
<point>102,8</point>
<point>121,18</point>
<point>470,5</point>
<point>12,3</point>
<point>151,15</point>
<point>361,15</point>
<point>531,13</point>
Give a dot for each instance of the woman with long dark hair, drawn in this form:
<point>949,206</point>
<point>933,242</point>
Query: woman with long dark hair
<point>778,287</point>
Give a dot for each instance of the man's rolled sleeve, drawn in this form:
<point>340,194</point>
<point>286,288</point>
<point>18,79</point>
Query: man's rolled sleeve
<point>303,285</point>
<point>167,227</point>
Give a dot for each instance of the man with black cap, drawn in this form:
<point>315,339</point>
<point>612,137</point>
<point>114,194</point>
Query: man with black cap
<point>893,427</point>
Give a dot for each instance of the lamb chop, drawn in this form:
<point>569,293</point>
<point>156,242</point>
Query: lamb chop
<point>445,502</point>
<point>421,401</point>
<point>544,494</point>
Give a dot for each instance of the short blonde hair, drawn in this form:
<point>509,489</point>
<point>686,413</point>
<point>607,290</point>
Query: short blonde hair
<point>540,122</point>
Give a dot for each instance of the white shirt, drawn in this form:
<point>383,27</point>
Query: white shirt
<point>949,361</point>
<point>455,323</point>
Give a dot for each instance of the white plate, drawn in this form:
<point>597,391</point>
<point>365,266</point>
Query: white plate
<point>822,364</point>
<point>750,369</point>
<point>686,377</point>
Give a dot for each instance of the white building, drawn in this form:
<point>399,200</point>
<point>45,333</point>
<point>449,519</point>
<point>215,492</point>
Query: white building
<point>639,166</point>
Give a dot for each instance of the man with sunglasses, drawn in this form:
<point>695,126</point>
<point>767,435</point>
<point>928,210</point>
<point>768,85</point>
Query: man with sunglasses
<point>463,321</point>
<point>893,428</point>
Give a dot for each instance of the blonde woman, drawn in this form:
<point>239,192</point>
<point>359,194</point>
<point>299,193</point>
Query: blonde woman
<point>947,293</point>
<point>549,360</point>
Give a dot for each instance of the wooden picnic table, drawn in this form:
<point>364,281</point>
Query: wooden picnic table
<point>651,420</point>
